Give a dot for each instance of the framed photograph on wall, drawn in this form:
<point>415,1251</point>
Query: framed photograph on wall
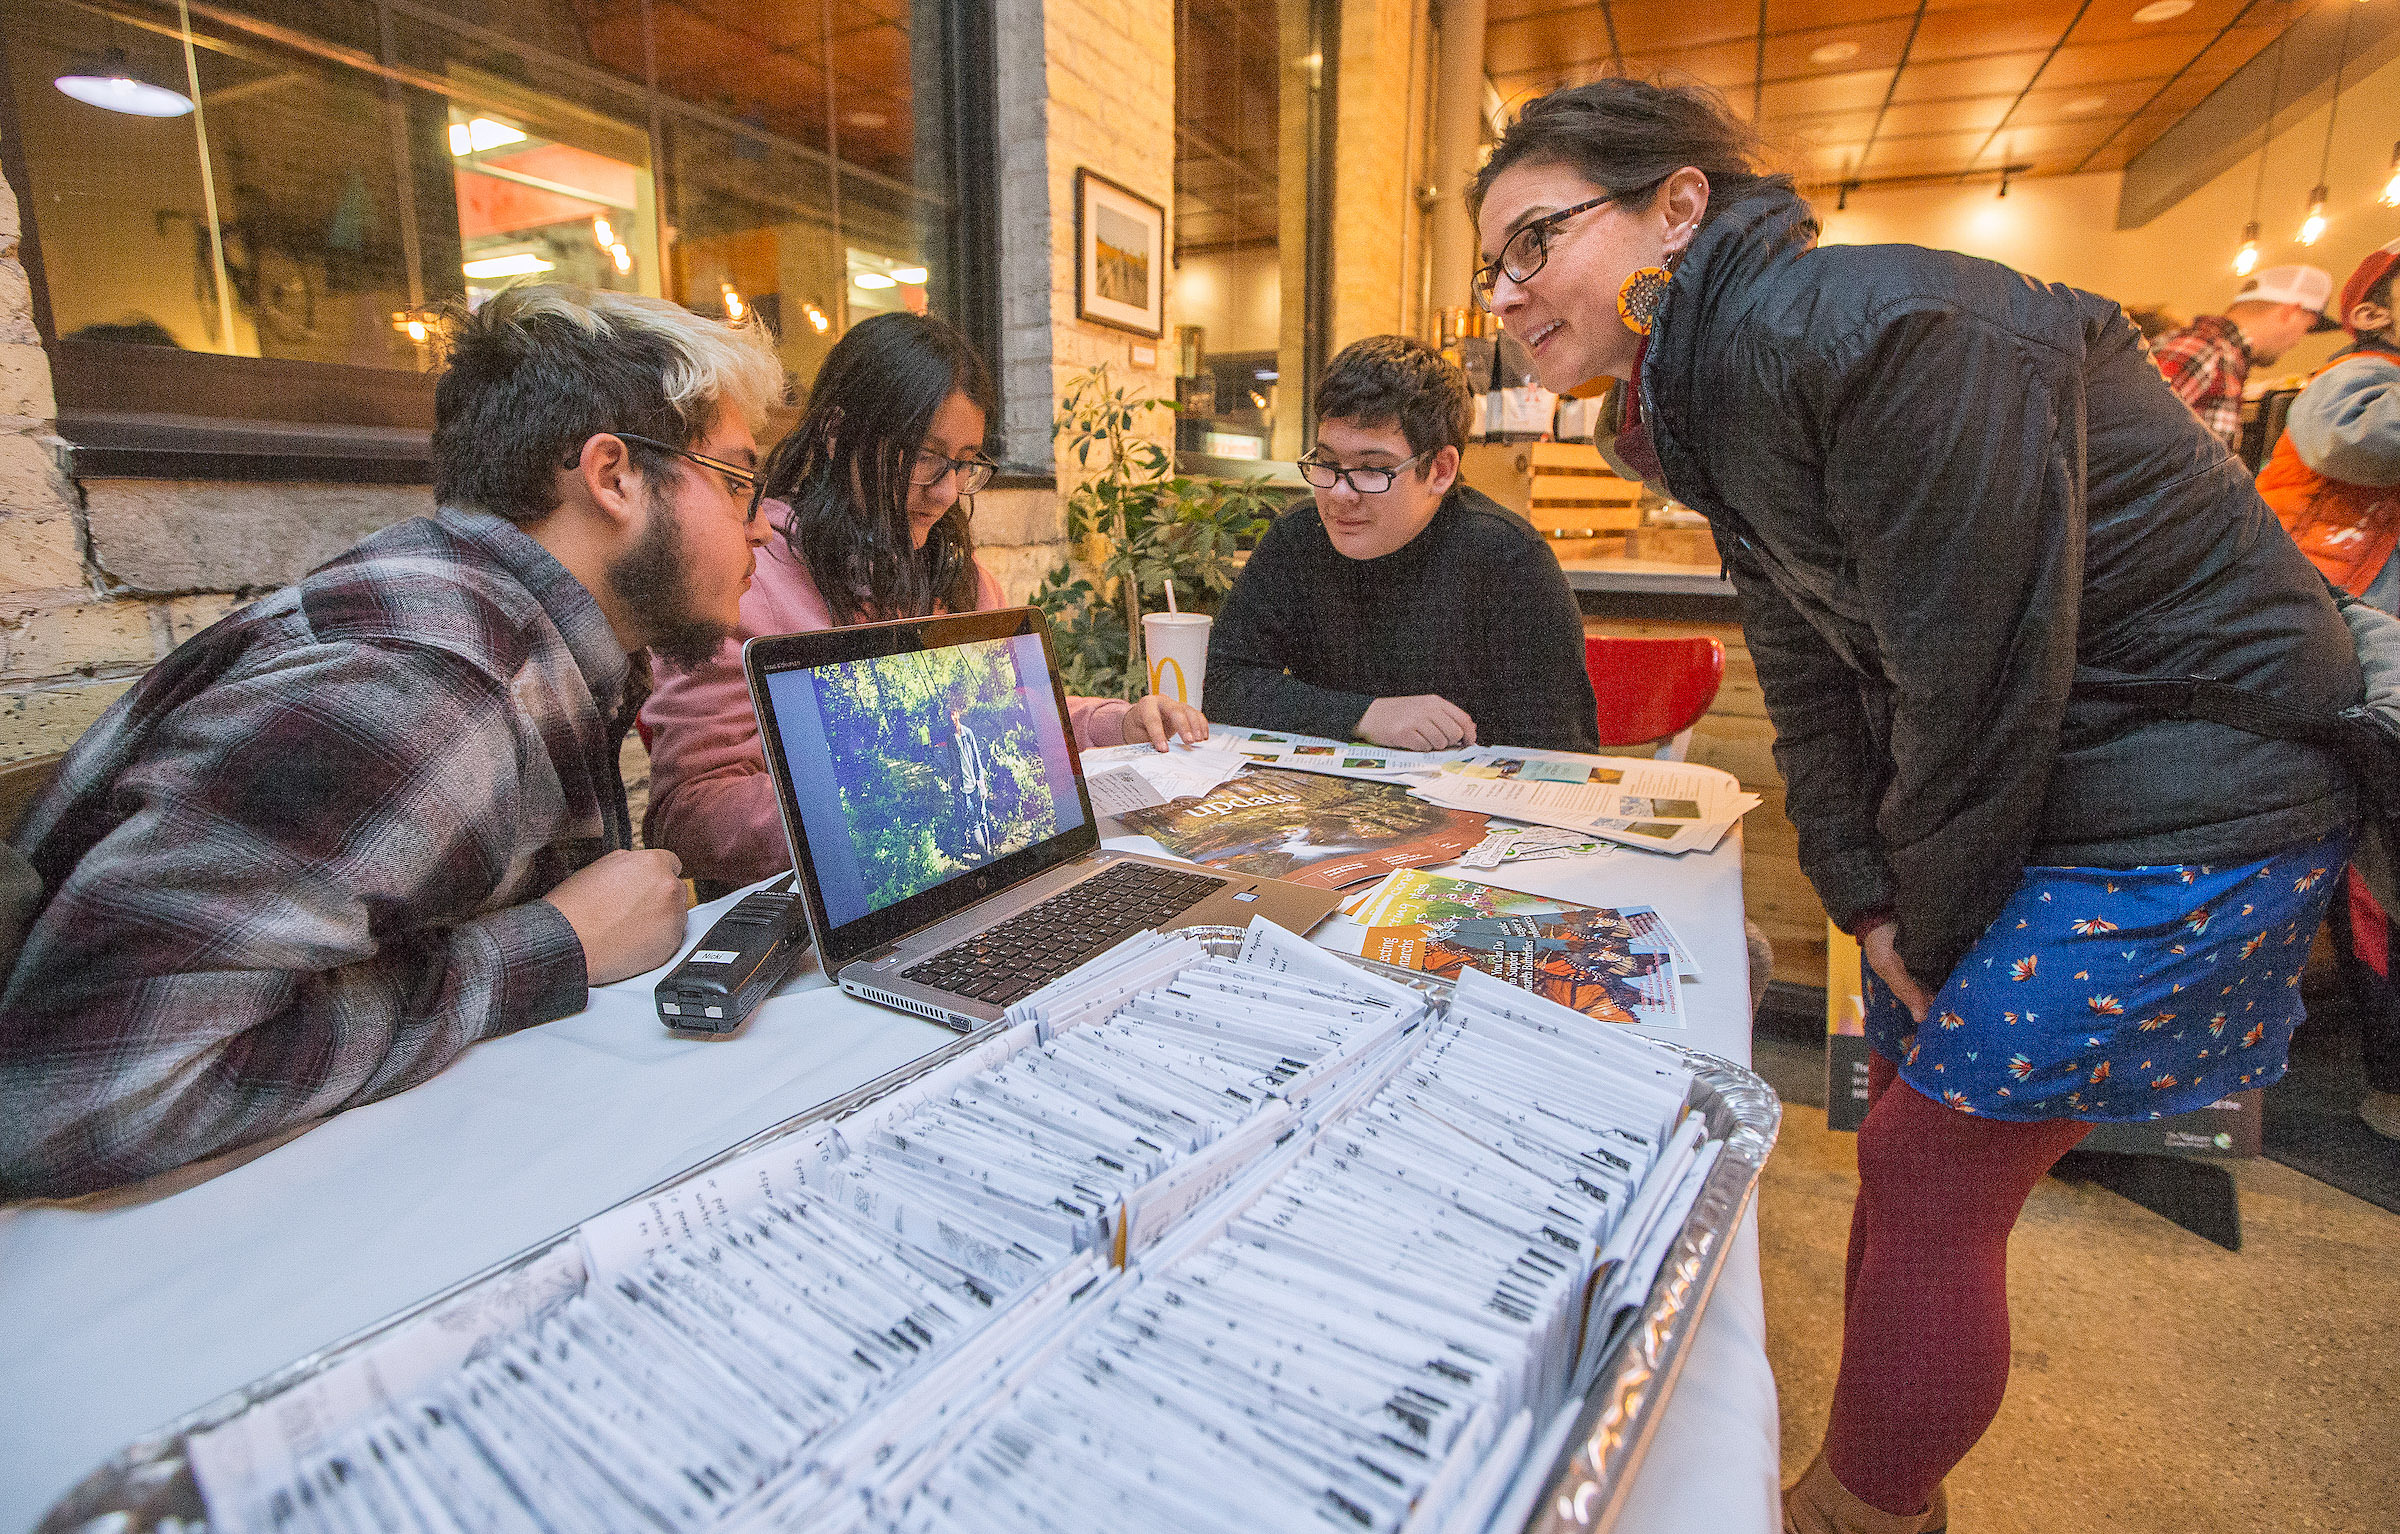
<point>1120,256</point>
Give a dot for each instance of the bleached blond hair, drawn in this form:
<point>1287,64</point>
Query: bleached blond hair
<point>536,371</point>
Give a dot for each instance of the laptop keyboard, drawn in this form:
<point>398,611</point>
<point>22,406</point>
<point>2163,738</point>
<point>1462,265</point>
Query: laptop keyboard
<point>1037,945</point>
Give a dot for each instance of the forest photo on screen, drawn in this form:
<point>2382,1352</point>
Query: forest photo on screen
<point>938,764</point>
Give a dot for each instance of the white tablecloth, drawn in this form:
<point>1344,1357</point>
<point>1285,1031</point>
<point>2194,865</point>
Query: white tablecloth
<point>117,1320</point>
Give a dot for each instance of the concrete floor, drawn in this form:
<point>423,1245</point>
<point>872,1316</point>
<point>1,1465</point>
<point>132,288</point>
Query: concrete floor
<point>2162,1384</point>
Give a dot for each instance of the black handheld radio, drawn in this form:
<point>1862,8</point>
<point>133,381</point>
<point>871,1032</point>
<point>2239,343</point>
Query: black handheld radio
<point>751,950</point>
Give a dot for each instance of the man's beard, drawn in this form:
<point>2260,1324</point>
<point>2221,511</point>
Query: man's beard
<point>652,581</point>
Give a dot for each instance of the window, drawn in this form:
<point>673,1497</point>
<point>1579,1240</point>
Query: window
<point>328,174</point>
<point>1253,153</point>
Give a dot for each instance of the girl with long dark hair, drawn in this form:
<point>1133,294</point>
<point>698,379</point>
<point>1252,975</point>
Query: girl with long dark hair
<point>1951,498</point>
<point>873,495</point>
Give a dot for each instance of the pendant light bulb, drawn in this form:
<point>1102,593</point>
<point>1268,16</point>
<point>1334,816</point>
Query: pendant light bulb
<point>111,83</point>
<point>2391,188</point>
<point>2314,225</point>
<point>2245,260</point>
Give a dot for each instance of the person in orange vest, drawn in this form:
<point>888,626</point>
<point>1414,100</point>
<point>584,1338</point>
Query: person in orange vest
<point>2334,480</point>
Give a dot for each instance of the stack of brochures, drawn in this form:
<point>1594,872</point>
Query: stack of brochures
<point>1190,1242</point>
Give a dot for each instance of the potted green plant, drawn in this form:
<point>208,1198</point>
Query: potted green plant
<point>1139,524</point>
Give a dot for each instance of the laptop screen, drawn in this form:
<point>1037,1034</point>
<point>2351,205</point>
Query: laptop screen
<point>927,765</point>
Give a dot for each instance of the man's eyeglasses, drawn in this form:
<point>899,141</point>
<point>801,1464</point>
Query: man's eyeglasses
<point>740,483</point>
<point>1367,479</point>
<point>1525,251</point>
<point>973,473</point>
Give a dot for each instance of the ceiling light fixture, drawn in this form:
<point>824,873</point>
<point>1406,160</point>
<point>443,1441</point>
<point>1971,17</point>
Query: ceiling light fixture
<point>2161,10</point>
<point>603,233</point>
<point>2391,188</point>
<point>623,257</point>
<point>818,320</point>
<point>2245,260</point>
<point>480,134</point>
<point>523,264</point>
<point>911,275</point>
<point>2314,225</point>
<point>734,308</point>
<point>874,281</point>
<point>1833,53</point>
<point>110,83</point>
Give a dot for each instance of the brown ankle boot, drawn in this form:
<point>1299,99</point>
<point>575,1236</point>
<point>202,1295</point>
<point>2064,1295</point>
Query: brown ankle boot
<point>1819,1504</point>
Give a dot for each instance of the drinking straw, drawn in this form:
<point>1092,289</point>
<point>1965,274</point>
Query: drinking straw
<point>1170,594</point>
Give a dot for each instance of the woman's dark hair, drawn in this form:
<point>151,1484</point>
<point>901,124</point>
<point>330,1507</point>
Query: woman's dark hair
<point>844,471</point>
<point>1627,136</point>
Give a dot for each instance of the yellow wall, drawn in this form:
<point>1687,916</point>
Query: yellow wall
<point>2064,228</point>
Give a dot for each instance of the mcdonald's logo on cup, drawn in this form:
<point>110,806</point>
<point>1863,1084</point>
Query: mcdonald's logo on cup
<point>1178,647</point>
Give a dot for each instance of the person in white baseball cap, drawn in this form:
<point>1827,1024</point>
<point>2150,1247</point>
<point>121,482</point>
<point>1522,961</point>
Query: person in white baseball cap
<point>2208,361</point>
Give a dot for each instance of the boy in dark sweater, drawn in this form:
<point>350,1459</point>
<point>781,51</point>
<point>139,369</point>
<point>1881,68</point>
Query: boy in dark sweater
<point>1401,607</point>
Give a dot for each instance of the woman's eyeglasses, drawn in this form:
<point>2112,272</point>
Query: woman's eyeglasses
<point>1368,479</point>
<point>930,469</point>
<point>1525,251</point>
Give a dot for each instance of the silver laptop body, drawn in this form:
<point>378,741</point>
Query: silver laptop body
<point>931,792</point>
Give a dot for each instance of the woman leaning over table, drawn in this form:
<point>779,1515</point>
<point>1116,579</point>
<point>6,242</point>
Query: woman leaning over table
<point>1940,487</point>
<point>872,492</point>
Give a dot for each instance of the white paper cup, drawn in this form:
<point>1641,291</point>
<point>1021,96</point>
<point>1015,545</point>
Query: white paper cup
<point>1177,645</point>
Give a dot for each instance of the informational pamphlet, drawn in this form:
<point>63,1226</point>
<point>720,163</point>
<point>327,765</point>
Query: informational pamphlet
<point>1620,966</point>
<point>1657,806</point>
<point>1308,828</point>
<point>1333,758</point>
<point>1140,776</point>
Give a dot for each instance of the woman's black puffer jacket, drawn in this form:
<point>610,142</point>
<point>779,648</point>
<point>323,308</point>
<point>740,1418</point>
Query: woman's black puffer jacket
<point>1940,487</point>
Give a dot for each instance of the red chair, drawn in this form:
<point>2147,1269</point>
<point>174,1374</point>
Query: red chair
<point>1653,689</point>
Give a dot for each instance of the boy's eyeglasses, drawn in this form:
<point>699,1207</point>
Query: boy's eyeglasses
<point>740,483</point>
<point>1367,479</point>
<point>929,469</point>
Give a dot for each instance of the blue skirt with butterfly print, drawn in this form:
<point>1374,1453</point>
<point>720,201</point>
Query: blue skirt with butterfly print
<point>2115,994</point>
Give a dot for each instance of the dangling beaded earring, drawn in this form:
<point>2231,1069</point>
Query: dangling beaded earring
<point>1638,300</point>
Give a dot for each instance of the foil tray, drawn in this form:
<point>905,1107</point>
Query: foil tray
<point>148,1487</point>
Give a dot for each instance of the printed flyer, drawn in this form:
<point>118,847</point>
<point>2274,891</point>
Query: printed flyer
<point>1620,966</point>
<point>1309,828</point>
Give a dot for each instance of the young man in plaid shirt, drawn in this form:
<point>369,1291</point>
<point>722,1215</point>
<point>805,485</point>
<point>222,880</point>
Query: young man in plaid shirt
<point>2208,362</point>
<point>374,818</point>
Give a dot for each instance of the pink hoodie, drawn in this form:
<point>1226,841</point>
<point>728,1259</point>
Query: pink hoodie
<point>711,801</point>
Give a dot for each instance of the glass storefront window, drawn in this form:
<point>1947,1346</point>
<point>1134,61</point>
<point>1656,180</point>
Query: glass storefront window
<point>352,166</point>
<point>1253,113</point>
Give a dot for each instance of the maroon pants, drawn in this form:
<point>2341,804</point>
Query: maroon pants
<point>1925,1300</point>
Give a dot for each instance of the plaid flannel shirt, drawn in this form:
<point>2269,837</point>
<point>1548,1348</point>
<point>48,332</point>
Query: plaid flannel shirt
<point>2206,363</point>
<point>299,867</point>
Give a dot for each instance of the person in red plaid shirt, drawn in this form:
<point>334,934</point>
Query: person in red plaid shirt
<point>372,819</point>
<point>2208,361</point>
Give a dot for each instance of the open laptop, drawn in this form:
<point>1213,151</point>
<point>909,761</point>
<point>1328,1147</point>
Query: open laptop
<point>946,851</point>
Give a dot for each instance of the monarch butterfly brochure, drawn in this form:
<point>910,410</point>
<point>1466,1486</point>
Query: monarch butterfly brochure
<point>1618,965</point>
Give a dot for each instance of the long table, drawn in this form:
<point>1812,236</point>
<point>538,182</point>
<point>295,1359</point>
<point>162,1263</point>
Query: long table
<point>123,1312</point>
